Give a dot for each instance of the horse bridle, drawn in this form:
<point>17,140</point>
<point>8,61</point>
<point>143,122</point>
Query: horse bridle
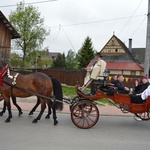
<point>5,70</point>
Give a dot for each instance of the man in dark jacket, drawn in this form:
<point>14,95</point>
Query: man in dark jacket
<point>119,84</point>
<point>140,88</point>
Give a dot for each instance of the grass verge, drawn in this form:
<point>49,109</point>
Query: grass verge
<point>70,92</point>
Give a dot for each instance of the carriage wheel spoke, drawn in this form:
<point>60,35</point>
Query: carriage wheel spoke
<point>85,114</point>
<point>143,116</point>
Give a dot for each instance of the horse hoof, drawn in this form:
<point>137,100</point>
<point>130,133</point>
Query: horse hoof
<point>20,113</point>
<point>35,121</point>
<point>30,113</point>
<point>55,122</point>
<point>47,117</point>
<point>1,114</point>
<point>7,120</point>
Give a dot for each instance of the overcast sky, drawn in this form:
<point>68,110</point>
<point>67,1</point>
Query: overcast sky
<point>71,21</point>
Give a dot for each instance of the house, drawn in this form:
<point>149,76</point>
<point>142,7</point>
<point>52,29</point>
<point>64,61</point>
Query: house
<point>7,32</point>
<point>139,55</point>
<point>120,59</point>
<point>50,55</point>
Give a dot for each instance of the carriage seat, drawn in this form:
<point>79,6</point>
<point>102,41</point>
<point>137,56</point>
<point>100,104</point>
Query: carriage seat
<point>98,82</point>
<point>110,84</point>
<point>109,88</point>
<point>101,82</point>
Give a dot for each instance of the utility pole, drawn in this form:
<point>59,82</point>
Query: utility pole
<point>147,51</point>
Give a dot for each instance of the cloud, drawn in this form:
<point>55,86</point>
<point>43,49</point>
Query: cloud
<point>94,18</point>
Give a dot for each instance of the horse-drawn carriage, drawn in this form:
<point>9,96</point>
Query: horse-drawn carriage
<point>84,112</point>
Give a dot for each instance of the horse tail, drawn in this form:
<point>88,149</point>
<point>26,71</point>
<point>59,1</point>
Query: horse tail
<point>57,91</point>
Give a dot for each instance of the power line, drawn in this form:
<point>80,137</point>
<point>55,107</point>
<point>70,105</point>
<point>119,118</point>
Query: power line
<point>139,26</point>
<point>68,38</point>
<point>38,2</point>
<point>98,21</point>
<point>57,33</point>
<point>130,17</point>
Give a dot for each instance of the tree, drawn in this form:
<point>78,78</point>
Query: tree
<point>15,60</point>
<point>60,61</point>
<point>29,24</point>
<point>71,60</point>
<point>86,53</point>
<point>37,59</point>
<point>44,62</point>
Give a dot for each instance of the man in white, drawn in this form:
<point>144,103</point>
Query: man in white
<point>97,70</point>
<point>141,98</point>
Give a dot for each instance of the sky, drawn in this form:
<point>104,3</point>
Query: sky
<point>71,21</point>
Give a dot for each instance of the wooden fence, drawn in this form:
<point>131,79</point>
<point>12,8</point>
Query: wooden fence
<point>71,77</point>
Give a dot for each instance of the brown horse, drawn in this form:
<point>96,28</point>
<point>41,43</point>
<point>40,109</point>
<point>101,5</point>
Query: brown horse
<point>57,93</point>
<point>30,84</point>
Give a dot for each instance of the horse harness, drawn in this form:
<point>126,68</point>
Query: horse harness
<point>14,78</point>
<point>13,85</point>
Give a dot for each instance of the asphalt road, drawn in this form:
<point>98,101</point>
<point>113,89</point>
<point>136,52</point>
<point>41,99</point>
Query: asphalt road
<point>110,133</point>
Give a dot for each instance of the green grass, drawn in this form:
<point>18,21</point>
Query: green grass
<point>70,92</point>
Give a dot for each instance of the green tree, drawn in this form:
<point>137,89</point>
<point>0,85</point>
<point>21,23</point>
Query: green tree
<point>71,61</point>
<point>33,59</point>
<point>15,60</point>
<point>86,53</point>
<point>60,61</point>
<point>29,24</point>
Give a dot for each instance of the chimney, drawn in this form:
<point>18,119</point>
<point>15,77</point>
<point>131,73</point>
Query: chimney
<point>130,46</point>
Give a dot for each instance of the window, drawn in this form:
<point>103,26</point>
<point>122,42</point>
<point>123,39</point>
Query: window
<point>109,51</point>
<point>133,72</point>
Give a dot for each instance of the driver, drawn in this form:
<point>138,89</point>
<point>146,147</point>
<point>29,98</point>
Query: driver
<point>96,73</point>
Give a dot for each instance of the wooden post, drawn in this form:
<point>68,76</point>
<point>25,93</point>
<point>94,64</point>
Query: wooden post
<point>147,51</point>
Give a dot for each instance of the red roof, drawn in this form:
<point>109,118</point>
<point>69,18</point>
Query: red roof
<point>123,66</point>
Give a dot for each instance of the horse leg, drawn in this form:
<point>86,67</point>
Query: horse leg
<point>54,114</point>
<point>7,100</point>
<point>17,106</point>
<point>49,112</point>
<point>4,109</point>
<point>35,107</point>
<point>43,106</point>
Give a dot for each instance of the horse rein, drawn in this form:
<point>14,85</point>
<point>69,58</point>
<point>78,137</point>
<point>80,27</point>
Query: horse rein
<point>13,85</point>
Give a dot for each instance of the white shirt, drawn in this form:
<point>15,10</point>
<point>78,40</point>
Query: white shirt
<point>146,93</point>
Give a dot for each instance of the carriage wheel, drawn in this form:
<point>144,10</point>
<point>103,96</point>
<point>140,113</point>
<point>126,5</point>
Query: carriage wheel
<point>85,114</point>
<point>144,116</point>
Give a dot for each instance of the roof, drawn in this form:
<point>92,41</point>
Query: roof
<point>13,32</point>
<point>139,55</point>
<point>123,66</point>
<point>52,54</point>
<point>119,57</point>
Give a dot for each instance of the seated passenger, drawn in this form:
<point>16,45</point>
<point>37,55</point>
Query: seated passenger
<point>114,78</point>
<point>140,98</point>
<point>140,88</point>
<point>119,84</point>
<point>137,86</point>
